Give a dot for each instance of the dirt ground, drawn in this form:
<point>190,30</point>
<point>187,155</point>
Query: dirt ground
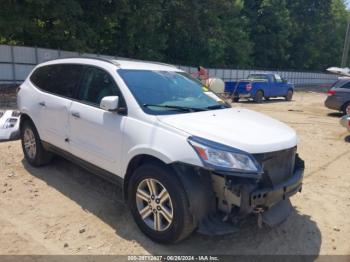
<point>62,209</point>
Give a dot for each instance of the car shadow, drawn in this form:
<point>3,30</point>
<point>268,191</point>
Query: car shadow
<point>335,114</point>
<point>9,140</point>
<point>298,235</point>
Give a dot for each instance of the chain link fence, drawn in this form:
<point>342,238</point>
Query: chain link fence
<point>16,62</point>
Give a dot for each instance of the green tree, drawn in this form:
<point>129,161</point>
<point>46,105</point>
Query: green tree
<point>318,33</point>
<point>270,28</point>
<point>46,23</point>
<point>298,34</point>
<point>210,32</point>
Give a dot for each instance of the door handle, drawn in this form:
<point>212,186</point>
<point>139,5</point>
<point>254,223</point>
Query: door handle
<point>42,104</point>
<point>76,114</point>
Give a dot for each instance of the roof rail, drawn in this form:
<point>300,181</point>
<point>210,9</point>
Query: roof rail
<point>144,61</point>
<point>111,61</point>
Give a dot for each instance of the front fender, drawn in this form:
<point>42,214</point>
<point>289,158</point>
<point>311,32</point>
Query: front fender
<point>144,150</point>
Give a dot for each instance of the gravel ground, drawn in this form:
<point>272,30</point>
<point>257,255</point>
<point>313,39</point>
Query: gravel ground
<point>62,209</point>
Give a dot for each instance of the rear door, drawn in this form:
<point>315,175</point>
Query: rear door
<point>95,134</point>
<point>57,84</point>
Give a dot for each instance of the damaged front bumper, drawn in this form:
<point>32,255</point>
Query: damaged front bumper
<point>237,197</point>
<point>220,200</point>
<point>267,197</point>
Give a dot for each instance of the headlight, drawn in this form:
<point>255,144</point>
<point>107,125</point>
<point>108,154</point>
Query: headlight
<point>224,158</point>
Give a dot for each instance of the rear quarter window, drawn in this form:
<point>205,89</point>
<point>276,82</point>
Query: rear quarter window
<point>61,79</point>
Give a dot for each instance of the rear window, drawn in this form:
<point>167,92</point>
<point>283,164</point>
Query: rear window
<point>61,79</point>
<point>346,85</point>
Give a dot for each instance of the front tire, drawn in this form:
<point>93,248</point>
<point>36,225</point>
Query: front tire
<point>33,150</point>
<point>159,204</point>
<point>289,95</point>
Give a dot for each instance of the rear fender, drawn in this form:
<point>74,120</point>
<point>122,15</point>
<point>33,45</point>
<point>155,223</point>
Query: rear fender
<point>260,86</point>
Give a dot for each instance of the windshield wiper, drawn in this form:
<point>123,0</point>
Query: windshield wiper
<point>180,108</point>
<point>216,107</point>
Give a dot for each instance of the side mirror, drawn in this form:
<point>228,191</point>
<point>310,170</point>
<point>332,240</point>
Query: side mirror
<point>109,103</point>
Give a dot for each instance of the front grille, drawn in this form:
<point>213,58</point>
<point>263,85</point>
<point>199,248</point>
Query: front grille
<point>278,166</point>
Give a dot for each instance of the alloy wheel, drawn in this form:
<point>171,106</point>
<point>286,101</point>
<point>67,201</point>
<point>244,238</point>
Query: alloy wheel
<point>29,143</point>
<point>154,204</point>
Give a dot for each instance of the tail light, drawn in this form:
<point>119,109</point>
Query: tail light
<point>249,87</point>
<point>331,92</point>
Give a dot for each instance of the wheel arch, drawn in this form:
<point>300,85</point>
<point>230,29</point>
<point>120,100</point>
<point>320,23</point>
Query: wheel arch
<point>133,164</point>
<point>195,181</point>
<point>25,117</point>
<point>344,106</point>
<point>260,89</point>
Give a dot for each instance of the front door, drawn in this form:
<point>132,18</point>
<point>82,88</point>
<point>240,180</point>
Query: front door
<point>279,86</point>
<point>96,135</point>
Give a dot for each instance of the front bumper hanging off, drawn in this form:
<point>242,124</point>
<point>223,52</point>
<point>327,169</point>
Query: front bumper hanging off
<point>270,203</point>
<point>267,197</point>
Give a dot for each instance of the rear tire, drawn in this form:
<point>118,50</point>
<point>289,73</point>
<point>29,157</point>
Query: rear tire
<point>289,95</point>
<point>33,150</point>
<point>345,110</point>
<point>175,221</point>
<point>259,95</point>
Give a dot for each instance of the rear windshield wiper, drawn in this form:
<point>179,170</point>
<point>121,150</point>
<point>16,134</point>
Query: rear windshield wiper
<point>180,108</point>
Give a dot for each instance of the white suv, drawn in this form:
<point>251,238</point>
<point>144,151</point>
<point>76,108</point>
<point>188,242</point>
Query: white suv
<point>184,158</point>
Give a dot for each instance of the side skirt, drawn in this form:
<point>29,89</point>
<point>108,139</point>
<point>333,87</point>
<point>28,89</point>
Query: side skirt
<point>110,177</point>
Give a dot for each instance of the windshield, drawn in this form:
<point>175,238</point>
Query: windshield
<point>164,92</point>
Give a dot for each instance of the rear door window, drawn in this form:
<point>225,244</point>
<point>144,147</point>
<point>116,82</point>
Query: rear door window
<point>61,79</point>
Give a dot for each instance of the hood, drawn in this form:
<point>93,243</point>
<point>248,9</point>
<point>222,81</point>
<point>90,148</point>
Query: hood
<point>236,127</point>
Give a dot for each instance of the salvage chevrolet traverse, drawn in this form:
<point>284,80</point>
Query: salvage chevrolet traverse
<point>186,161</point>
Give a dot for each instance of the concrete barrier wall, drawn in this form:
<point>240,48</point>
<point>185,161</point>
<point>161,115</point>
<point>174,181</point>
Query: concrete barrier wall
<point>16,62</point>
